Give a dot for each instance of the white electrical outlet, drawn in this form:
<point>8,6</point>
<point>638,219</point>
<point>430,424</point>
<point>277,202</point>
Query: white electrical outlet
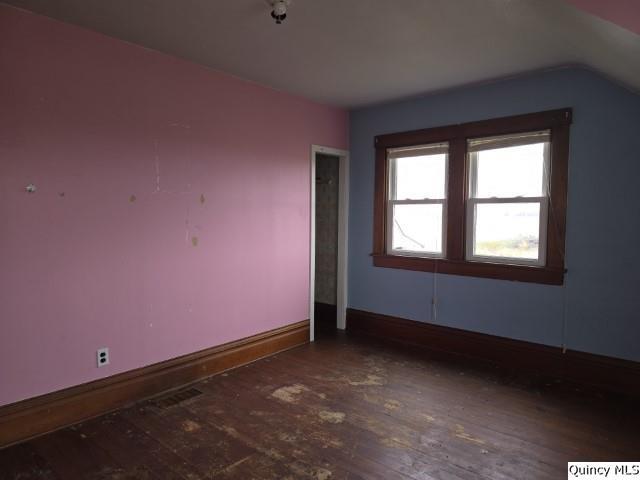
<point>103,357</point>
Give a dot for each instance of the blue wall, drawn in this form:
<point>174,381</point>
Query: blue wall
<point>599,304</point>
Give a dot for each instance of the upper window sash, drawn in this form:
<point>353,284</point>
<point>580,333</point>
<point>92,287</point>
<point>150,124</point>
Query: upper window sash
<point>504,141</point>
<point>476,145</point>
<point>418,150</point>
<point>394,154</point>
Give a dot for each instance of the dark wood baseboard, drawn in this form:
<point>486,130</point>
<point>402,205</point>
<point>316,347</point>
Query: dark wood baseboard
<point>36,416</point>
<point>607,373</point>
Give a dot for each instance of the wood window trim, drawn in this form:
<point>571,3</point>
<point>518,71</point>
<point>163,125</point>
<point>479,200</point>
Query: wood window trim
<point>557,121</point>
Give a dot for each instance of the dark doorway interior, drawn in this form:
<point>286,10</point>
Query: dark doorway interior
<point>327,188</point>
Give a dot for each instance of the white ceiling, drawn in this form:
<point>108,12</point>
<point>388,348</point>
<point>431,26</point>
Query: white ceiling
<point>357,52</point>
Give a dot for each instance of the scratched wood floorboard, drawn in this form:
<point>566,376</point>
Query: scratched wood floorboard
<point>349,409</point>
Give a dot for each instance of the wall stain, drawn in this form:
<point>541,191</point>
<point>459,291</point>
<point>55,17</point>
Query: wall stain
<point>132,198</point>
<point>194,241</point>
<point>202,199</point>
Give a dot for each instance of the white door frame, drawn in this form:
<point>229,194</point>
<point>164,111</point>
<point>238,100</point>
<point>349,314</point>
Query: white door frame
<point>343,235</point>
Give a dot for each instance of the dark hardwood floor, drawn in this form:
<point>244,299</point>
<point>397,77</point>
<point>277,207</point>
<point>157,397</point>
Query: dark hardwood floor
<point>344,408</point>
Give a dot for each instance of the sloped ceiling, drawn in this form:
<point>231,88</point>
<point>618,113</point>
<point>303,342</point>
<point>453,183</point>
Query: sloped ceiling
<point>358,52</point>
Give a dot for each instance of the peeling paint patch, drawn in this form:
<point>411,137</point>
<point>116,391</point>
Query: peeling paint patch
<point>326,439</point>
<point>331,417</point>
<point>138,472</point>
<point>370,380</point>
<point>228,468</point>
<point>269,452</point>
<point>460,433</point>
<point>190,426</point>
<point>318,473</point>
<point>428,418</point>
<point>392,404</point>
<point>287,437</point>
<point>322,474</point>
<point>375,426</point>
<point>289,393</point>
<point>395,442</point>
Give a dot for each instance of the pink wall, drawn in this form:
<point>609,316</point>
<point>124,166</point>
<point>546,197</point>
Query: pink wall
<point>625,13</point>
<point>92,121</point>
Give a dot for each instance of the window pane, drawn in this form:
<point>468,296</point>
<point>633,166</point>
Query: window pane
<point>507,230</point>
<point>417,228</point>
<point>511,172</point>
<point>421,177</point>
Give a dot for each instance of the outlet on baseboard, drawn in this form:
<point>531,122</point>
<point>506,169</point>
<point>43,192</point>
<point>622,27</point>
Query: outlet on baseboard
<point>103,356</point>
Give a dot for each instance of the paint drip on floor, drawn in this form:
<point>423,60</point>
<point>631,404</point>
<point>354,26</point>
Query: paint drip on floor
<point>289,393</point>
<point>370,380</point>
<point>331,417</point>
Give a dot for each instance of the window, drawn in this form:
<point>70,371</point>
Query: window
<point>483,199</point>
<point>417,200</point>
<point>508,197</point>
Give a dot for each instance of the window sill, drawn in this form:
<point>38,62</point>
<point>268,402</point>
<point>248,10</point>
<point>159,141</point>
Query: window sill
<point>500,271</point>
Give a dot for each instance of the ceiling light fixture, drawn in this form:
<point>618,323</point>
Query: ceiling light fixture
<point>279,12</point>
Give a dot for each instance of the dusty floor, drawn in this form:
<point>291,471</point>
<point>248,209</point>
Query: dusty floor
<point>344,408</point>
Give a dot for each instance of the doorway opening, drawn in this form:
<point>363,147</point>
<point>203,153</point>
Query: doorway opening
<point>329,206</point>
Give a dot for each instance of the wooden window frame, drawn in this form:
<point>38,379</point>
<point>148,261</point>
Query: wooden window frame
<point>556,121</point>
